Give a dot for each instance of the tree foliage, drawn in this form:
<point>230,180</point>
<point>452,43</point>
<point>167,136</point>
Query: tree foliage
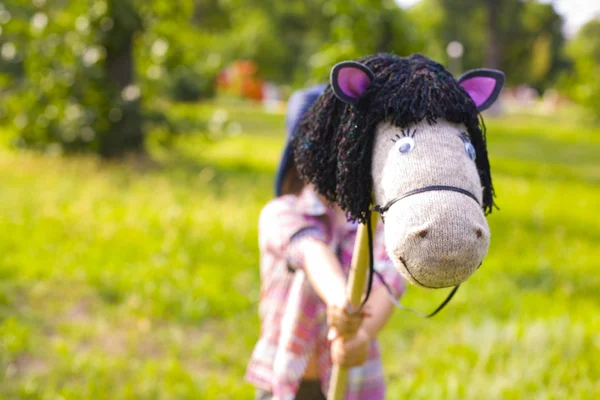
<point>523,38</point>
<point>86,74</point>
<point>583,84</point>
<point>80,85</point>
<point>360,28</point>
<point>296,40</point>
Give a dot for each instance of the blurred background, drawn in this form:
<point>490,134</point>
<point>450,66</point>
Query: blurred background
<point>138,142</point>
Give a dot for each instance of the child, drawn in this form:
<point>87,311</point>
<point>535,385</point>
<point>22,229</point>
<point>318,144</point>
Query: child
<point>306,249</point>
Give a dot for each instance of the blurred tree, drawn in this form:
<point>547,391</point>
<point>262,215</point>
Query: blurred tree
<point>80,87</point>
<point>534,53</point>
<point>583,84</point>
<point>360,28</point>
<point>484,29</point>
<point>89,74</point>
<point>123,132</point>
<point>523,38</point>
<point>492,48</point>
<point>212,15</point>
<point>279,35</point>
<point>293,40</point>
<point>428,18</point>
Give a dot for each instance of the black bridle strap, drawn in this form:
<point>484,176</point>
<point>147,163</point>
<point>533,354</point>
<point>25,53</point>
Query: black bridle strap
<point>382,210</point>
<point>387,287</point>
<point>412,310</point>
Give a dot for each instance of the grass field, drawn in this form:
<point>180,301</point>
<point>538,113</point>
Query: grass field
<point>139,280</point>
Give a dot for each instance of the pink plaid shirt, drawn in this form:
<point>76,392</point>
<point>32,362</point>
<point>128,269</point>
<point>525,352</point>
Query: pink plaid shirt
<point>293,317</point>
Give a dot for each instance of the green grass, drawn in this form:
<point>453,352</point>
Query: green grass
<point>140,279</point>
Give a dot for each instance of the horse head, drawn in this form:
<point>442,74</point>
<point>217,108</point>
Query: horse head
<point>402,134</point>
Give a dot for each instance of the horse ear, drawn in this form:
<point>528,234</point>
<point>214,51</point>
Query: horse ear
<point>350,80</point>
<point>483,85</point>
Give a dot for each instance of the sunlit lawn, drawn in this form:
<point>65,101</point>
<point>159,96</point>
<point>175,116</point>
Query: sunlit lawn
<point>140,279</point>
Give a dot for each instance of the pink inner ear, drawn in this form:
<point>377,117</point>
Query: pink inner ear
<point>479,88</point>
<point>353,81</point>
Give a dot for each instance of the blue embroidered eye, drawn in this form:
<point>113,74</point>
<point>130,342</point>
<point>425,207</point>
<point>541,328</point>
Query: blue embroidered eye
<point>406,144</point>
<point>470,150</point>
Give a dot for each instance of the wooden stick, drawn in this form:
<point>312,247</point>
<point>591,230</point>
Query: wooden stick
<point>355,289</point>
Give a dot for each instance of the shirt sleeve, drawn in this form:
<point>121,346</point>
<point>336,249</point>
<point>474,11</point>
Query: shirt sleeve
<point>282,227</point>
<point>385,267</point>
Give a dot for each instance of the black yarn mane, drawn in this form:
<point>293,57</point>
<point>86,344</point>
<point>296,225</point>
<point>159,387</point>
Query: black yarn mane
<point>333,144</point>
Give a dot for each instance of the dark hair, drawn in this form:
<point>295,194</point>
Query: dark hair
<point>334,142</point>
<point>291,182</point>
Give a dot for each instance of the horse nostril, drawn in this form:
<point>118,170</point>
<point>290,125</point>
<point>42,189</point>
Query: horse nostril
<point>423,234</point>
<point>479,233</point>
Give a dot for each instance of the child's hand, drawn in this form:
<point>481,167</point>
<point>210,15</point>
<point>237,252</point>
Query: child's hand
<point>353,352</point>
<point>342,322</point>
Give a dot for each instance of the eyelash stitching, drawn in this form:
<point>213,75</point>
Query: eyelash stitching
<point>408,133</point>
<point>464,137</point>
<point>404,133</point>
